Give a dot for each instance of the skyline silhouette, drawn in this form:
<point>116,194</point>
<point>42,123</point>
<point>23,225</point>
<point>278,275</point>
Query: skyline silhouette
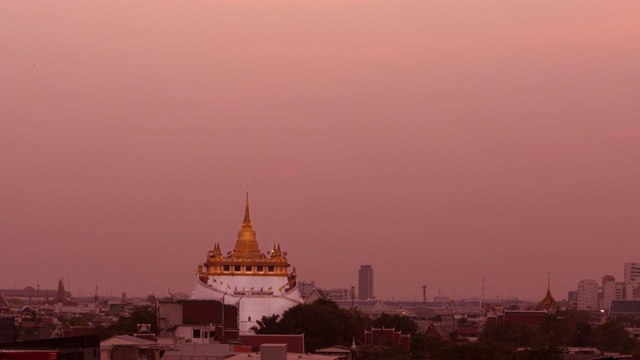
<point>440,142</point>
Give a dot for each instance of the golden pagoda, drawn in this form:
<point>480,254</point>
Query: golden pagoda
<point>259,284</point>
<point>548,303</point>
<point>246,258</point>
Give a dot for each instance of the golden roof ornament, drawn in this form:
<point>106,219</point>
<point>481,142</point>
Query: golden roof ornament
<point>548,303</point>
<point>246,245</point>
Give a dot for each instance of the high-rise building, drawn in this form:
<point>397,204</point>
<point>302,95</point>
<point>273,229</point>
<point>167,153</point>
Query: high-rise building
<point>365,282</point>
<point>587,295</point>
<point>572,299</point>
<point>611,290</point>
<point>631,281</point>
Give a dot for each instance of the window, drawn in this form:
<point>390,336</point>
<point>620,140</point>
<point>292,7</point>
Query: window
<point>196,333</point>
<point>237,268</point>
<point>271,269</point>
<point>225,268</point>
<point>248,268</point>
<point>260,268</point>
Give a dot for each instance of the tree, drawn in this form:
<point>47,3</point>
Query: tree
<point>510,334</point>
<point>540,353</point>
<point>74,321</point>
<point>404,324</point>
<point>126,325</point>
<point>322,322</point>
<point>473,351</point>
<point>612,336</point>
<point>267,325</point>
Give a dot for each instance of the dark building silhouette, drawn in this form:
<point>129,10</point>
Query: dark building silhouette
<point>69,348</point>
<point>7,329</point>
<point>365,282</point>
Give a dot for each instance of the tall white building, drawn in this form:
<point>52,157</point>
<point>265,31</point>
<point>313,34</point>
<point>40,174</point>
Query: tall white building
<point>632,281</point>
<point>587,295</point>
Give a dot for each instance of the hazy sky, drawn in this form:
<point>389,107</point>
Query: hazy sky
<point>439,141</point>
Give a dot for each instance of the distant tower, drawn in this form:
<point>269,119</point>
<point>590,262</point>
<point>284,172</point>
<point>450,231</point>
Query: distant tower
<point>61,294</point>
<point>424,295</point>
<point>588,295</point>
<point>353,296</point>
<point>365,282</point>
<point>548,303</point>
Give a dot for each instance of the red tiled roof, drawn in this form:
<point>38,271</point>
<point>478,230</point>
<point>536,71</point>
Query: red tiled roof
<point>376,336</point>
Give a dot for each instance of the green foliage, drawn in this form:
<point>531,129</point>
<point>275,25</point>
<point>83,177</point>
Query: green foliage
<point>127,325</point>
<point>322,322</point>
<point>510,334</point>
<point>73,321</point>
<point>268,325</point>
<point>473,351</point>
<point>424,347</point>
<point>325,324</point>
<point>540,353</point>
<point>612,336</point>
<point>571,328</point>
<point>389,352</point>
<point>400,323</point>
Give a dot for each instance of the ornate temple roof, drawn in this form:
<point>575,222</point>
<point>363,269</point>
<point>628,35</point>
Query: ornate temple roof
<point>548,303</point>
<point>246,245</point>
<point>246,259</point>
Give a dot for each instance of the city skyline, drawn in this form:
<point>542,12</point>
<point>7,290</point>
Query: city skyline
<point>441,142</point>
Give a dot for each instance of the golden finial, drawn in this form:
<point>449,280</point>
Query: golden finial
<point>247,218</point>
<point>246,246</point>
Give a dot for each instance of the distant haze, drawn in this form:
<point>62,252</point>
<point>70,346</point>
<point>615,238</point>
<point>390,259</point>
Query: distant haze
<point>439,141</point>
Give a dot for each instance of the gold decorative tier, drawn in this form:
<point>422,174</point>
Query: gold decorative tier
<point>246,258</point>
<point>246,245</point>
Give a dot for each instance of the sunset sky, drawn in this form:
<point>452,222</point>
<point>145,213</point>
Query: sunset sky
<point>439,141</point>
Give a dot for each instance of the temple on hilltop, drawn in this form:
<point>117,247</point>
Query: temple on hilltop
<point>259,284</point>
<point>548,303</point>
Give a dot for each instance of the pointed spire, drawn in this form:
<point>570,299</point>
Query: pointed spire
<point>548,303</point>
<point>61,294</point>
<point>246,245</point>
<point>246,222</point>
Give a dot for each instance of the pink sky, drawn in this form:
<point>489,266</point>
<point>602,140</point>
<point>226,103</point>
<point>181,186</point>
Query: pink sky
<point>439,141</point>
